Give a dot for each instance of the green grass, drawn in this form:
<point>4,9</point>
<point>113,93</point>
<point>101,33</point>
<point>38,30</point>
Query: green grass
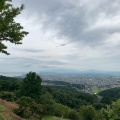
<point>53,118</point>
<point>1,118</point>
<point>96,90</point>
<point>1,108</point>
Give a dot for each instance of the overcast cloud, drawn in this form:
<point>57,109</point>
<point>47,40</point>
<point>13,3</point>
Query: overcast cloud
<point>66,34</point>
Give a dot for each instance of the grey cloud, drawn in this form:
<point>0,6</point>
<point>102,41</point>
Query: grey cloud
<point>28,62</point>
<point>88,22</point>
<point>71,20</point>
<point>63,45</point>
<point>28,50</point>
<point>40,64</point>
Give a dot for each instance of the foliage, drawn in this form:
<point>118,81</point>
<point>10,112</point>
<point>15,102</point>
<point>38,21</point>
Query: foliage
<point>113,93</point>
<point>27,107</point>
<point>9,29</point>
<point>98,106</point>
<point>65,84</point>
<point>5,85</point>
<point>106,114</point>
<point>116,109</point>
<point>9,96</point>
<point>111,112</point>
<point>9,85</point>
<point>65,112</point>
<point>106,100</point>
<point>7,78</point>
<point>31,86</point>
<point>73,115</point>
<point>88,112</point>
<point>61,110</point>
<point>47,104</point>
<point>53,118</point>
<point>78,86</point>
<point>72,99</point>
<point>58,101</point>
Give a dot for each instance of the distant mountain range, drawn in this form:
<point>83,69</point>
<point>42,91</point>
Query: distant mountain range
<point>60,71</point>
<point>80,72</point>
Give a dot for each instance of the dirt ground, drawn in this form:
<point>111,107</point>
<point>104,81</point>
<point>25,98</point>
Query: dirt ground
<point>7,110</point>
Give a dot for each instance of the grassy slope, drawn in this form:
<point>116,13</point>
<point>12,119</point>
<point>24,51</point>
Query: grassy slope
<point>53,118</point>
<point>1,118</point>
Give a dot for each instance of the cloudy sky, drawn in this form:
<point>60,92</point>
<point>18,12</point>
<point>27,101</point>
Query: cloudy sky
<point>66,34</point>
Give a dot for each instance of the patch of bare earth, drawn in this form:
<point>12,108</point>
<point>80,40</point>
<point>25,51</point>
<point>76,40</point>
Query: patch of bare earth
<point>8,108</point>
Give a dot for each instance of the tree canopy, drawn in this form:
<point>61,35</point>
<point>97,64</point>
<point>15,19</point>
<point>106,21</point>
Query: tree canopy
<point>9,29</point>
<point>31,86</point>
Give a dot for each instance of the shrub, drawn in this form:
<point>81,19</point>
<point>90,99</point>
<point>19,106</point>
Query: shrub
<point>9,96</point>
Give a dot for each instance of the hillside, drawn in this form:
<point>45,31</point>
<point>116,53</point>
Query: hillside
<point>6,110</point>
<point>53,102</point>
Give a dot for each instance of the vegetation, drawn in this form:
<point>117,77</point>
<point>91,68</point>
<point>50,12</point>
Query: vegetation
<point>31,86</point>
<point>88,112</point>
<point>1,108</point>
<point>113,93</point>
<point>38,101</point>
<point>27,107</point>
<point>34,101</point>
<point>1,118</point>
<point>9,29</point>
<point>53,118</point>
<point>6,112</point>
<point>95,90</point>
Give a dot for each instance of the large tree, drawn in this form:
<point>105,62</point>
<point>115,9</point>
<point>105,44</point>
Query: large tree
<point>9,29</point>
<point>88,112</point>
<point>31,86</point>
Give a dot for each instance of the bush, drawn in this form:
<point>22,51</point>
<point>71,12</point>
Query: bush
<point>27,107</point>
<point>112,112</point>
<point>9,96</point>
<point>47,103</point>
<point>88,112</point>
<point>73,115</point>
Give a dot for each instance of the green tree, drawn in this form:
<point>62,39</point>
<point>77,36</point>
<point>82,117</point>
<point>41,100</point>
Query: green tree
<point>112,112</point>
<point>73,115</point>
<point>116,109</point>
<point>9,96</point>
<point>27,107</point>
<point>9,29</point>
<point>106,100</point>
<point>61,110</point>
<point>47,103</point>
<point>88,112</point>
<point>106,114</point>
<point>31,86</point>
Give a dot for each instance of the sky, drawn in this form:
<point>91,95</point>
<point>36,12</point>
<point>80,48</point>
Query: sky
<point>66,35</point>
